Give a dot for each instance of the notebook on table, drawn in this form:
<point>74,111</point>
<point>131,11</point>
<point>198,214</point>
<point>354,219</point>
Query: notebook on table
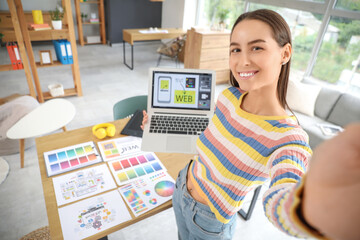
<point>180,105</point>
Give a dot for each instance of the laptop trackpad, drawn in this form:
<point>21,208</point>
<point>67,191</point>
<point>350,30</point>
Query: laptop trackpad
<point>178,144</point>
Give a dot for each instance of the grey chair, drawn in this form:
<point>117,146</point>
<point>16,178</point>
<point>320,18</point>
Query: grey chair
<point>127,107</point>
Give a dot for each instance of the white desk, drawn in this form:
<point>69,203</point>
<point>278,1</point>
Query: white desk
<point>46,118</point>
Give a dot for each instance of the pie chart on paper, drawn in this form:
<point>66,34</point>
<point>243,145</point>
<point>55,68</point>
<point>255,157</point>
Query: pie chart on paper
<point>164,188</point>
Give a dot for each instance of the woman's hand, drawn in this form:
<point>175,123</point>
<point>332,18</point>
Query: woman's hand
<point>145,119</point>
<point>331,201</point>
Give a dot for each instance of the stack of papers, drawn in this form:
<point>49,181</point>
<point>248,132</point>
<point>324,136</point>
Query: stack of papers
<point>153,31</point>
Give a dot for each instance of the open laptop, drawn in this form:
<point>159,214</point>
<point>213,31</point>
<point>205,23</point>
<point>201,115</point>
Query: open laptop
<point>180,105</point>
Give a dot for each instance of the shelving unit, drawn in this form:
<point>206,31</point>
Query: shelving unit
<point>101,22</point>
<point>14,27</point>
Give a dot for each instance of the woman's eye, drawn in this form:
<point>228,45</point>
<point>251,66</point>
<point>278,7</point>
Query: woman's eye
<point>235,50</point>
<point>256,48</point>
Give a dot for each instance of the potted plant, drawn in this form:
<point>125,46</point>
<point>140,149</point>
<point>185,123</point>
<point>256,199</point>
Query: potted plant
<point>83,17</point>
<point>222,14</point>
<point>56,17</point>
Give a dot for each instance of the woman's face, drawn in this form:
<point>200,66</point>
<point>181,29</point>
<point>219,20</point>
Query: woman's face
<point>255,56</point>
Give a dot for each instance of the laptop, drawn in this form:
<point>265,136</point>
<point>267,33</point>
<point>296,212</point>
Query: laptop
<point>180,105</point>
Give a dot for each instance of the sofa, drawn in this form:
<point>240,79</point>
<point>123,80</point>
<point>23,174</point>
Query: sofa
<point>314,105</point>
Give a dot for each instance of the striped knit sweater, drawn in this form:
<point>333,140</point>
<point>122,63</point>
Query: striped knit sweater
<point>239,151</point>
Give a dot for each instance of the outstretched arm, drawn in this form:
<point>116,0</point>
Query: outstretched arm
<point>331,200</point>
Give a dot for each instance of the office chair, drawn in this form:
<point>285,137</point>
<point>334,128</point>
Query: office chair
<point>172,49</point>
<point>127,107</point>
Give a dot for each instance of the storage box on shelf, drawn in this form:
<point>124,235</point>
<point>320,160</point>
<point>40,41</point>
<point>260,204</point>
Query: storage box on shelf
<point>14,26</point>
<point>100,20</point>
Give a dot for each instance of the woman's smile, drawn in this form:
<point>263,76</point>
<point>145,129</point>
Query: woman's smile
<point>246,75</point>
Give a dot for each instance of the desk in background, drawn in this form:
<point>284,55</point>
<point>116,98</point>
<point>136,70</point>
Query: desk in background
<point>133,35</point>
<point>173,162</point>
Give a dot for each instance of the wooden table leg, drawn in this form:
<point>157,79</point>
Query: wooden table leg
<point>22,152</point>
<point>64,128</point>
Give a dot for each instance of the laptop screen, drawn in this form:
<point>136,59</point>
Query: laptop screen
<point>181,90</point>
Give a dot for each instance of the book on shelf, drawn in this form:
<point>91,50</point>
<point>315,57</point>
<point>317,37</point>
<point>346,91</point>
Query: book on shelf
<point>39,27</point>
<point>94,20</point>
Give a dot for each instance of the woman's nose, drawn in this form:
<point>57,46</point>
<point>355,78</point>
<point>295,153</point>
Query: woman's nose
<point>243,59</point>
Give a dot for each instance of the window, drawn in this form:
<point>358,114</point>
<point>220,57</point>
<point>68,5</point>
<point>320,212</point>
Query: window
<point>339,55</point>
<point>352,5</point>
<point>214,11</point>
<point>304,27</point>
<point>326,35</point>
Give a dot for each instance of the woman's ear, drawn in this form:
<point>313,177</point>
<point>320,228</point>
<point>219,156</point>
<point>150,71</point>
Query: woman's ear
<point>286,53</point>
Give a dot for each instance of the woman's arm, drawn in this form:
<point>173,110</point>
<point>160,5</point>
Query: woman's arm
<point>331,201</point>
<point>287,166</point>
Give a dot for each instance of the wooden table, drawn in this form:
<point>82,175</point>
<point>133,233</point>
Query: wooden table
<point>133,35</point>
<point>173,162</point>
<point>46,118</point>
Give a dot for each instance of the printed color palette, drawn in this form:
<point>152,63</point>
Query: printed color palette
<point>70,158</point>
<point>119,147</point>
<point>129,169</point>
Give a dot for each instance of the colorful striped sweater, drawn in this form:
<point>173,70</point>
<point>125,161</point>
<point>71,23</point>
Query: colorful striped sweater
<point>239,151</point>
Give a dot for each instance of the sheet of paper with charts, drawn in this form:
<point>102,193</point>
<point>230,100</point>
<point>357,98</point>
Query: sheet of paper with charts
<point>83,183</point>
<point>148,192</point>
<point>131,163</point>
<point>93,215</point>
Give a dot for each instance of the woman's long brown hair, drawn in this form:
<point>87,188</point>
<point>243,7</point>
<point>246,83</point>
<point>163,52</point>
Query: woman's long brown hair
<point>282,35</point>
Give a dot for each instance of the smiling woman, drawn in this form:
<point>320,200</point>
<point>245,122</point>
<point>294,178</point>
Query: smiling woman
<point>249,140</point>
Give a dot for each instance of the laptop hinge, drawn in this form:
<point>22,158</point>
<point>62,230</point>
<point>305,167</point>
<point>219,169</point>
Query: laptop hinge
<point>192,114</point>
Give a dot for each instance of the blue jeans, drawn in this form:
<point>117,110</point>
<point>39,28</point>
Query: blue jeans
<point>194,219</point>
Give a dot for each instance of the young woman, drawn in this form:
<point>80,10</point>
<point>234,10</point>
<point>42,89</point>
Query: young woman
<point>250,139</point>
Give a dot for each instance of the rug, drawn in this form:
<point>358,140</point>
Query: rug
<point>4,170</point>
<point>39,234</point>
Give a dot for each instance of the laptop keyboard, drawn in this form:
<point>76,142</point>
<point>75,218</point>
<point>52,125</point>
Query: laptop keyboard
<point>178,125</point>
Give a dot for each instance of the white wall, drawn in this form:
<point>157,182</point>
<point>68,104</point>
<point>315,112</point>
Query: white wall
<point>179,14</point>
<point>172,13</point>
<point>189,14</point>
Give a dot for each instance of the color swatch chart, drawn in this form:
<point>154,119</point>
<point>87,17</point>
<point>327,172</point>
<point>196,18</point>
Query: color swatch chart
<point>82,183</point>
<point>129,169</point>
<point>70,158</point>
<point>119,147</point>
<point>148,192</point>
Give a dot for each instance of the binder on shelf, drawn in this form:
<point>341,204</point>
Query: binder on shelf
<point>69,52</point>
<point>60,50</point>
<point>11,55</point>
<point>17,56</point>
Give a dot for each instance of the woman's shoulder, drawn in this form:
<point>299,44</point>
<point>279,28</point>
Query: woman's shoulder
<point>232,92</point>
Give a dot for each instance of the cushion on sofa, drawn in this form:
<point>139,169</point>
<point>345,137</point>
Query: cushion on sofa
<point>311,127</point>
<point>301,97</point>
<point>325,102</point>
<point>346,110</point>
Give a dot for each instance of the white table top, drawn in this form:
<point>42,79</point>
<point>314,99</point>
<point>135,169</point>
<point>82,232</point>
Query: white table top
<point>48,117</point>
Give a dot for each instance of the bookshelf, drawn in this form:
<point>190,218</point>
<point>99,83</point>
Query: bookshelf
<point>14,27</point>
<point>81,24</point>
